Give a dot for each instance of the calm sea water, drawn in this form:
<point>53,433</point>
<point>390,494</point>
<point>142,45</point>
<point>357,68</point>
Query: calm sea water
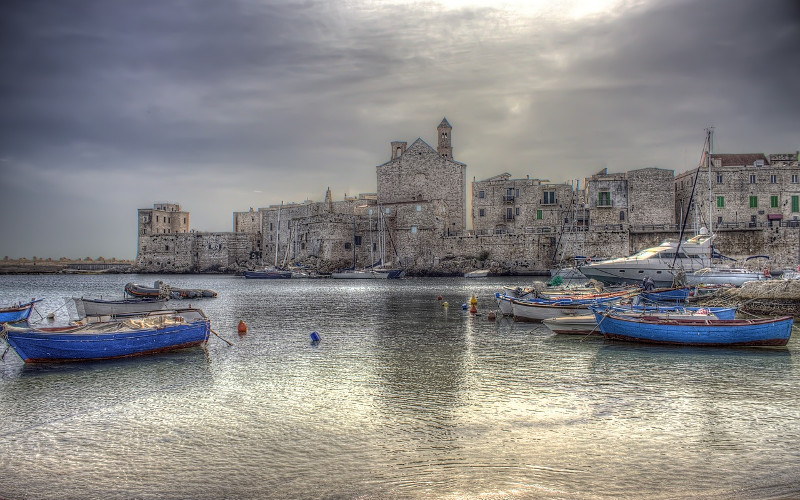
<point>402,398</point>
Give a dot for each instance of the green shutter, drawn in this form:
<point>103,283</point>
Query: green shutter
<point>720,202</point>
<point>754,202</point>
<point>795,203</point>
<point>773,201</point>
<point>539,214</point>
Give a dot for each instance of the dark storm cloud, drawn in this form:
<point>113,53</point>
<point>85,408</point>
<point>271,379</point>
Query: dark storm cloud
<point>111,105</point>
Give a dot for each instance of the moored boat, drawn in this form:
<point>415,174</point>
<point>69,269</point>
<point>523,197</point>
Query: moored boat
<point>161,289</point>
<point>478,273</point>
<point>661,262</point>
<point>267,274</point>
<point>156,332</point>
<point>695,331</point>
<point>99,307</point>
<point>535,310</point>
<point>670,294</point>
<point>18,312</point>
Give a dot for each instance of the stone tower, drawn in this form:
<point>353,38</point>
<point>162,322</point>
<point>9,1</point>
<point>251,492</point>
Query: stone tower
<point>445,148</point>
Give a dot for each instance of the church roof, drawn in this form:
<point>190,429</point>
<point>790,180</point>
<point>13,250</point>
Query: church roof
<point>421,147</point>
<point>444,123</point>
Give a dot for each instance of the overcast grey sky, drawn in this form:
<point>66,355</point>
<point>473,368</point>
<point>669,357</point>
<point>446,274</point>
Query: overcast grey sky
<point>107,106</point>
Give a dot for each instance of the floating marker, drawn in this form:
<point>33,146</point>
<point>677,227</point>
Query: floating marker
<point>315,337</point>
<point>490,316</point>
<point>464,306</point>
<point>242,327</point>
<point>445,304</point>
<point>439,297</point>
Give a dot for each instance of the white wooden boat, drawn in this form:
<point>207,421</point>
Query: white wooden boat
<point>479,273</point>
<point>99,307</point>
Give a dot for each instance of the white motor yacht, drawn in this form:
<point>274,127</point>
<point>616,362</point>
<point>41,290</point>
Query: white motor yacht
<point>660,263</point>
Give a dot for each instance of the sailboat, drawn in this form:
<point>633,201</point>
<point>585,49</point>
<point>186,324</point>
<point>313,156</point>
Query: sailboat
<point>569,272</point>
<point>377,270</point>
<point>271,272</point>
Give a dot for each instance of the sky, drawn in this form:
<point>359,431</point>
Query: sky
<point>109,106</point>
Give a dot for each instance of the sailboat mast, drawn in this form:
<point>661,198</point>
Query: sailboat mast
<point>371,257</point>
<point>710,150</point>
<point>278,233</point>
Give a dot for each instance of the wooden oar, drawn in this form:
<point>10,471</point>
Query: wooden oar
<point>217,334</point>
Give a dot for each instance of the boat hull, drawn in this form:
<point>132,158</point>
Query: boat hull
<point>534,312</point>
<point>18,313</point>
<point>697,332</point>
<point>267,275</point>
<point>584,324</point>
<point>97,307</point>
<point>62,345</point>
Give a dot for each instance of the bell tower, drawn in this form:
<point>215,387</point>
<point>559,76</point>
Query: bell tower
<point>445,148</point>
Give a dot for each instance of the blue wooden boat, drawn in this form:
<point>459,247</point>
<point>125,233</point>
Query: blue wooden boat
<point>156,332</point>
<point>268,274</point>
<point>645,309</point>
<point>666,295</point>
<point>20,312</point>
<point>698,332</point>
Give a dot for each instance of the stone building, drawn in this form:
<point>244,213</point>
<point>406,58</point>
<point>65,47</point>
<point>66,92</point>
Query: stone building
<point>745,191</point>
<point>417,218</point>
<point>501,204</point>
<point>419,175</point>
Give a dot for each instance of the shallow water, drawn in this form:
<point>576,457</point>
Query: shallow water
<point>402,398</point>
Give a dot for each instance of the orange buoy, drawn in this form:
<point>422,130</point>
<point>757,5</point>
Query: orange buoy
<point>473,309</point>
<point>242,327</point>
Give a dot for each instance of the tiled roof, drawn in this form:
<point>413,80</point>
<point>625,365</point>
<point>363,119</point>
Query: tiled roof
<point>740,160</point>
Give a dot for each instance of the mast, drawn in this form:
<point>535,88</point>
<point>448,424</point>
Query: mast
<point>371,257</point>
<point>710,144</point>
<point>278,233</point>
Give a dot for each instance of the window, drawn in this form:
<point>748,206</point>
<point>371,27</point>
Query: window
<point>156,218</point>
<point>622,216</point>
<point>794,178</point>
<point>388,210</point>
<point>795,203</point>
<point>419,208</point>
<point>720,202</point>
<point>517,211</point>
<point>347,246</point>
<point>719,178</point>
<point>481,194</point>
<point>357,240</point>
<point>549,198</point>
<point>773,179</point>
<point>270,226</point>
<point>517,192</point>
<point>509,213</point>
<point>539,215</point>
<point>604,199</point>
<point>752,178</point>
<point>413,229</point>
<point>773,202</point>
<point>482,212</point>
<point>754,202</point>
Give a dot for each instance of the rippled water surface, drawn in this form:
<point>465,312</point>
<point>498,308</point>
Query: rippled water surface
<point>402,398</point>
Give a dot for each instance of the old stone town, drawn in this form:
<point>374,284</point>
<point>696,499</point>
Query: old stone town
<point>417,218</point>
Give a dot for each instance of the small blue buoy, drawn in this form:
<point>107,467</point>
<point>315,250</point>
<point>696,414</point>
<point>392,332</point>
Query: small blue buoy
<point>464,306</point>
<point>315,337</point>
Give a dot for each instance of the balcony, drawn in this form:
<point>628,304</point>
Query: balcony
<point>509,198</point>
